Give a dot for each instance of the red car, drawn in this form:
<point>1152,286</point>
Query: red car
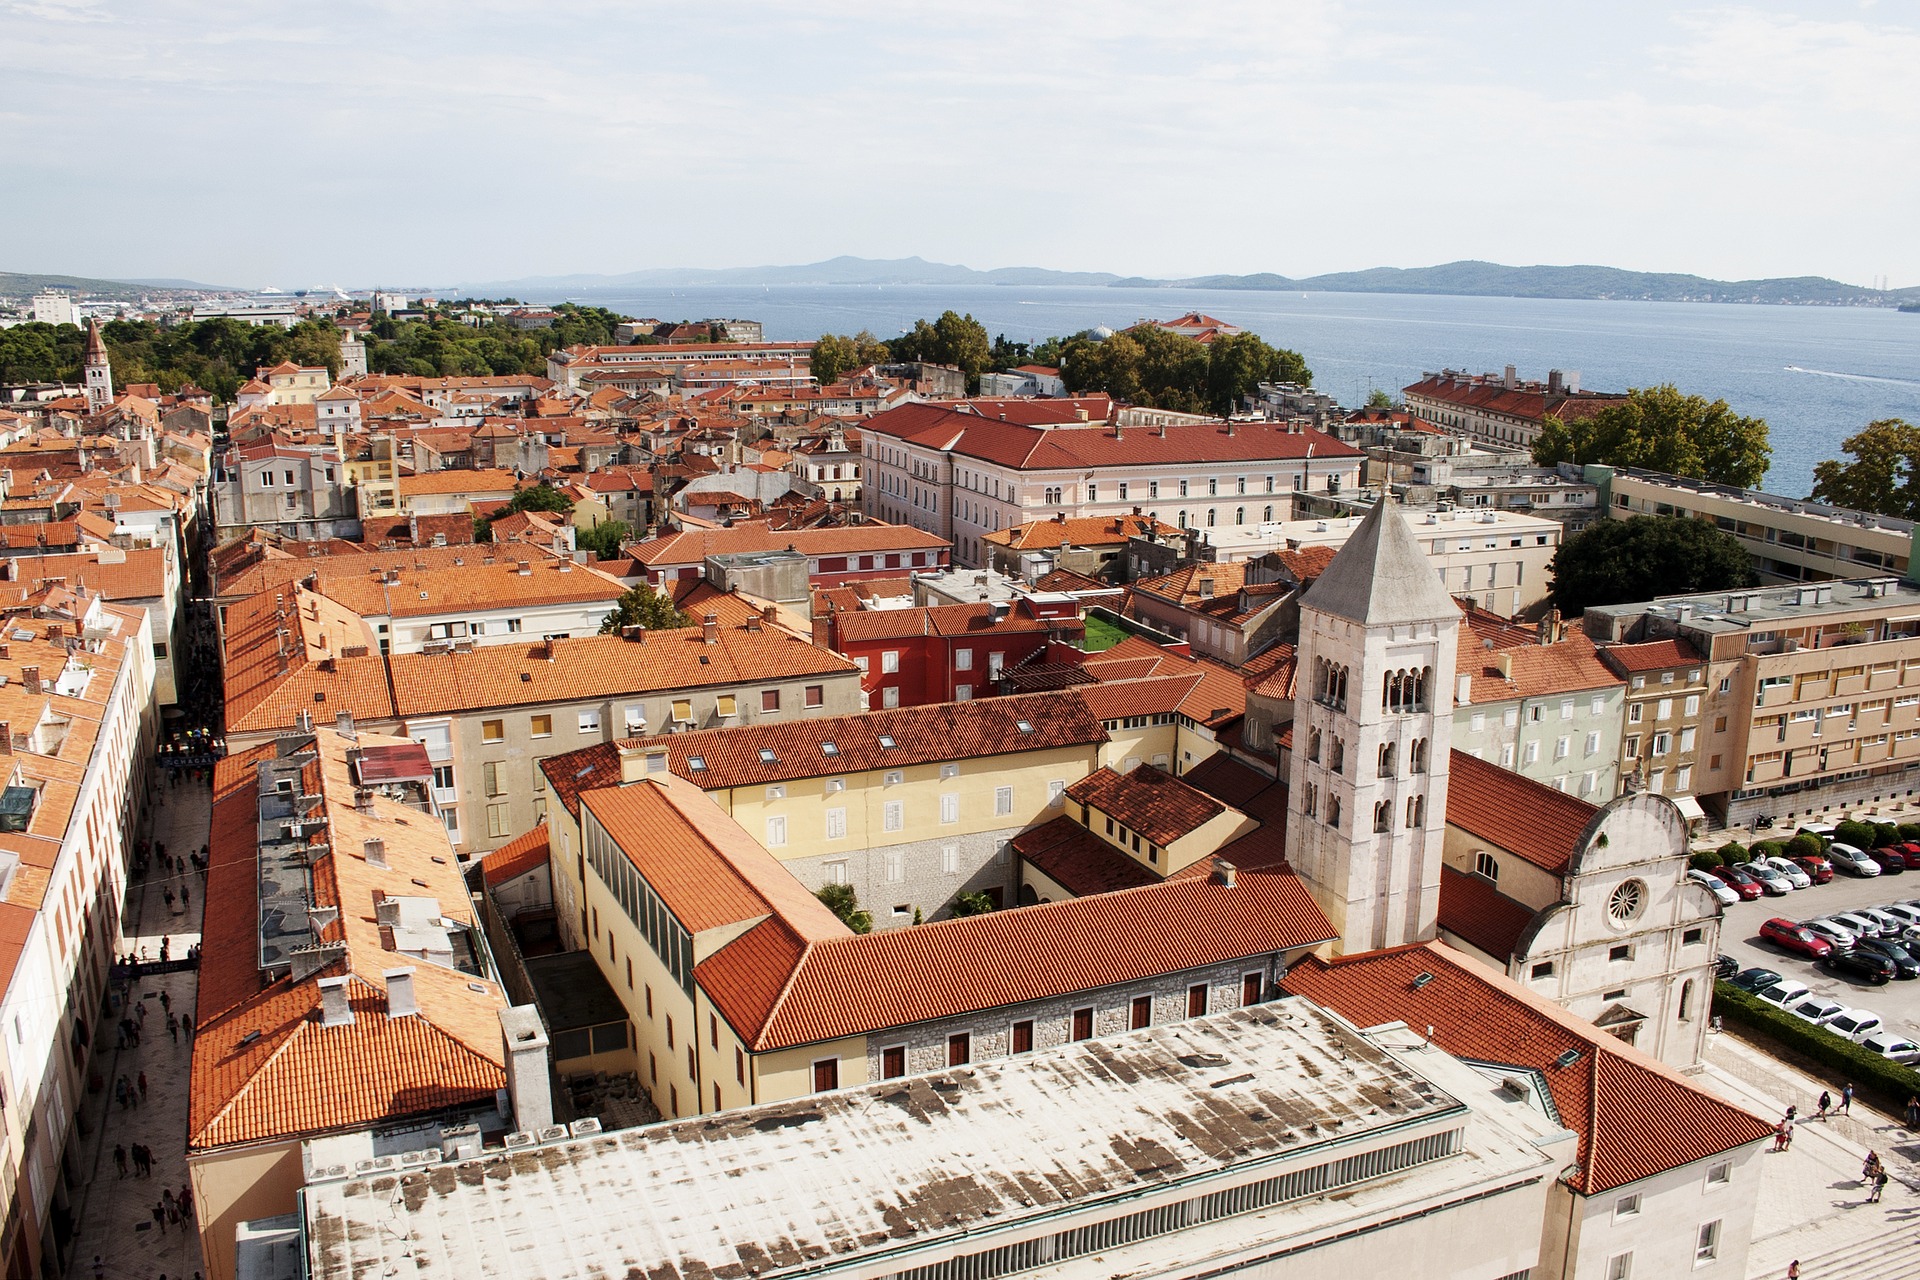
<point>1790,936</point>
<point>1910,850</point>
<point>1818,869</point>
<point>1740,882</point>
<point>1892,860</point>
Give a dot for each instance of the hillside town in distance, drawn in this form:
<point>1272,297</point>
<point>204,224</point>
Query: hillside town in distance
<point>712,806</point>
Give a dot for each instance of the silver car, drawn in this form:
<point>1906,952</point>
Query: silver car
<point>1832,930</point>
<point>1817,1009</point>
<point>1796,875</point>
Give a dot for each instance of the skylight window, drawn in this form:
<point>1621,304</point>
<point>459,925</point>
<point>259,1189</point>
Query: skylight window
<point>886,740</point>
<point>768,757</point>
<point>1024,726</point>
<point>1567,1059</point>
<point>830,748</point>
<point>697,763</point>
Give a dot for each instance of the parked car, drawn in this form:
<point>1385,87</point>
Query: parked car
<point>1818,1010</point>
<point>1905,912</point>
<point>1891,1045</point>
<point>1833,931</point>
<point>1863,926</point>
<point>1722,891</point>
<point>1790,935</point>
<point>1754,979</point>
<point>1910,850</point>
<point>1904,965</point>
<point>1851,860</point>
<point>1863,965</point>
<point>1739,881</point>
<point>1724,967</point>
<point>1796,874</point>
<point>1891,926</point>
<point>1892,861</point>
<point>1854,1024</point>
<point>1770,878</point>
<point>1817,867</point>
<point>1785,992</point>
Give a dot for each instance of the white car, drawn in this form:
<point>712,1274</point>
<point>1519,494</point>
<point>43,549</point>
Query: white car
<point>1832,930</point>
<point>1787,994</point>
<point>1862,926</point>
<point>1796,875</point>
<point>1818,1010</point>
<point>1892,1046</point>
<point>1769,876</point>
<point>1851,860</point>
<point>1905,912</point>
<point>1891,926</point>
<point>1722,892</point>
<point>1853,1024</point>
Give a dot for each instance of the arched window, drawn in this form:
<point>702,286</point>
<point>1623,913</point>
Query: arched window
<point>1416,812</point>
<point>1487,865</point>
<point>1340,689</point>
<point>1210,515</point>
<point>1239,515</point>
<point>1310,800</point>
<point>1387,752</point>
<point>1417,756</point>
<point>1333,812</point>
<point>1338,763</point>
<point>1267,516</point>
<point>1686,1000</point>
<point>1383,816</point>
<point>1313,745</point>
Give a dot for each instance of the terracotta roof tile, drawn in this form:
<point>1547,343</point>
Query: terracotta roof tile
<point>1151,801</point>
<point>1653,655</point>
<point>1635,1116</point>
<point>1012,444</point>
<point>1517,814</point>
<point>516,857</point>
<point>1085,531</point>
<point>1079,861</point>
<point>1474,910</point>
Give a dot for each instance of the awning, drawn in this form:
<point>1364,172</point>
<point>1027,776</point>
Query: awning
<point>1690,808</point>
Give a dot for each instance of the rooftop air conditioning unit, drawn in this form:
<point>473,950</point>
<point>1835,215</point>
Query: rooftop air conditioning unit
<point>520,1140</point>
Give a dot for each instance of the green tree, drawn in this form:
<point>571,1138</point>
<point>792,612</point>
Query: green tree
<point>540,497</point>
<point>1706,860</point>
<point>1731,852</point>
<point>1805,846</point>
<point>1884,476</point>
<point>970,904</point>
<point>1238,362</point>
<point>1617,561</point>
<point>1008,355</point>
<point>953,339</point>
<point>1147,365</point>
<point>841,901</point>
<point>642,606</point>
<point>1660,429</point>
<point>604,539</point>
<point>833,355</point>
<point>1378,399</point>
<point>1857,834</point>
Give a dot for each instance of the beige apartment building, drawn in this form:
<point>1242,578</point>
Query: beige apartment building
<point>1811,704</point>
<point>1790,539</point>
<point>1660,745</point>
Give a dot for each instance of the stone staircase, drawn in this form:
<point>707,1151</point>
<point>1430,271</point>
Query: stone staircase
<point>1892,1255</point>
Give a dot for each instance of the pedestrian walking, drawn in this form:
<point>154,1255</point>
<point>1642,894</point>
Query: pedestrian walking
<point>1826,1101</point>
<point>120,1158</point>
<point>186,898</point>
<point>99,1268</point>
<point>1871,1167</point>
<point>186,1197</point>
<point>1780,1136</point>
<point>166,1197</point>
<point>143,1097</point>
<point>165,943</point>
<point>1793,1270</point>
<point>173,1028</point>
<point>1879,1185</point>
<point>1846,1099</point>
<point>186,1027</point>
<point>1913,1113</point>
<point>160,1216</point>
<point>168,894</point>
<point>173,1214</point>
<point>1786,1124</point>
<point>166,1002</point>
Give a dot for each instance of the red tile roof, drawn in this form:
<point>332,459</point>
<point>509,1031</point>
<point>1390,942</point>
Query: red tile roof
<point>694,545</point>
<point>1635,1115</point>
<point>516,857</point>
<point>1653,655</point>
<point>1079,861</point>
<point>1151,801</point>
<point>870,982</point>
<point>1508,661</point>
<point>949,620</point>
<point>1517,814</point>
<point>1085,531</point>
<point>1473,909</point>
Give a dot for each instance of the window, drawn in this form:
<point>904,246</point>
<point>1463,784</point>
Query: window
<point>816,695</point>
<point>893,816</point>
<point>826,1075</point>
<point>1561,748</point>
<point>959,1049</point>
<point>889,661</point>
<point>896,868</point>
<point>443,777</point>
<point>769,699</point>
<point>589,722</point>
<point>1593,742</point>
<point>683,710</point>
<point>1093,493</point>
<point>893,1062</point>
<point>836,872</point>
<point>1598,705</point>
<point>1056,793</point>
<point>1626,1206</point>
<point>1140,1013</point>
<point>1487,865</point>
<point>949,808</point>
<point>1693,937</point>
<point>1634,712</point>
<point>1249,989</point>
<point>1566,708</point>
<point>498,823</point>
<point>1707,1247</point>
<point>1532,753</point>
<point>493,731</point>
<point>950,859</point>
<point>963,659</point>
<point>893,777</point>
<point>1197,1000</point>
<point>726,705</point>
<point>776,831</point>
<point>740,1065</point>
<point>1543,970</point>
<point>836,824</point>
<point>1082,1024</point>
<point>1021,1040</point>
<point>890,696</point>
<point>1620,1265</point>
<point>1721,1174</point>
<point>1619,953</point>
<point>1693,704</point>
<point>493,775</point>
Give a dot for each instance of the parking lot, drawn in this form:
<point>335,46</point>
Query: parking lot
<point>1898,1002</point>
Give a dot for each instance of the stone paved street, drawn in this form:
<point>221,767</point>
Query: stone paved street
<point>116,1213</point>
<point>1812,1205</point>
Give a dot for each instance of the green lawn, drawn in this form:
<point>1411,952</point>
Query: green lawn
<point>1102,634</point>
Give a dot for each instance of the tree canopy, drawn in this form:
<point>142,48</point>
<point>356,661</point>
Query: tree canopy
<point>215,355</point>
<point>540,497</point>
<point>1619,561</point>
<point>835,355</point>
<point>1148,365</point>
<point>642,606</point>
<point>953,339</point>
<point>603,539</point>
<point>1661,429</point>
<point>842,901</point>
<point>444,345</point>
<point>1884,476</point>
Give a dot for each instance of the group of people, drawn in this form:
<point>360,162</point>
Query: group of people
<point>140,1156</point>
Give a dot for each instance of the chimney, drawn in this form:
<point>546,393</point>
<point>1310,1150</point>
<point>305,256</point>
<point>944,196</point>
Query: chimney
<point>400,1001</point>
<point>6,737</point>
<point>375,850</point>
<point>1080,415</point>
<point>529,1088</point>
<point>30,677</point>
<point>1463,697</point>
<point>1223,872</point>
<point>363,800</point>
<point>634,632</point>
<point>344,724</point>
<point>386,911</point>
<point>318,918</point>
<point>710,628</point>
<point>1205,588</point>
<point>547,646</point>
<point>1554,382</point>
<point>303,721</point>
<point>1116,429</point>
<point>334,1009</point>
<point>1229,427</point>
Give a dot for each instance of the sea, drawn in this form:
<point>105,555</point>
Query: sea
<point>1816,374</point>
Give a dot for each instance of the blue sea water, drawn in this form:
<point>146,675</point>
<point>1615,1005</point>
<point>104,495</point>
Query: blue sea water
<point>1816,374</point>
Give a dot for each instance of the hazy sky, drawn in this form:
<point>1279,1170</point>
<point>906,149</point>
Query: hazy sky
<point>436,141</point>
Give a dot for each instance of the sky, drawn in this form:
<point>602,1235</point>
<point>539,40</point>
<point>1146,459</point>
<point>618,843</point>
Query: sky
<point>431,142</point>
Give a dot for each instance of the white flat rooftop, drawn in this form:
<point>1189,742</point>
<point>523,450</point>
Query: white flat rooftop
<point>856,1176</point>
